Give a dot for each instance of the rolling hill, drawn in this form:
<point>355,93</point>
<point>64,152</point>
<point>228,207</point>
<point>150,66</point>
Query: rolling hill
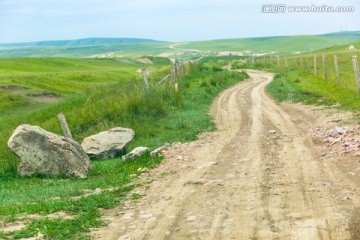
<point>281,44</point>
<point>83,51</point>
<point>79,42</point>
<point>118,47</point>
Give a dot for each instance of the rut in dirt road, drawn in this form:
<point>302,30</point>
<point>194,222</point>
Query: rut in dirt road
<point>257,177</point>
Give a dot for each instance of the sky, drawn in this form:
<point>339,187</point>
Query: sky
<point>167,20</point>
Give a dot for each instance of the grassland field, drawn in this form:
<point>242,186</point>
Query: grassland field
<point>96,94</point>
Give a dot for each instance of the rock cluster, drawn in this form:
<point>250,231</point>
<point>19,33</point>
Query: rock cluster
<point>340,140</point>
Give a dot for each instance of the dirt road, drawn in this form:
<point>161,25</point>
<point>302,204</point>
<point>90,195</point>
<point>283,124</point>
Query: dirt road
<point>257,177</point>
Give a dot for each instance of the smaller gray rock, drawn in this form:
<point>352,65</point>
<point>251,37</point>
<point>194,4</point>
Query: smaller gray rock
<point>144,170</point>
<point>157,151</point>
<point>137,152</point>
<point>108,144</point>
<point>191,218</point>
<point>339,130</point>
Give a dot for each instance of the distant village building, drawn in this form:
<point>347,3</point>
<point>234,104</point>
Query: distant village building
<point>352,47</point>
<point>230,54</point>
<point>247,53</point>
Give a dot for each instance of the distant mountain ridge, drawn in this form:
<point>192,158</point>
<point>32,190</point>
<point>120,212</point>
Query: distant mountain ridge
<point>115,47</point>
<point>345,33</point>
<point>80,42</point>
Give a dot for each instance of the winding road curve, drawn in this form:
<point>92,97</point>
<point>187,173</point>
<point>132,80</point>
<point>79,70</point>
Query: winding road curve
<point>257,177</point>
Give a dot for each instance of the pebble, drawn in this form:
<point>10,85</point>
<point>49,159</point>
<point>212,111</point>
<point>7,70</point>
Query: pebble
<point>124,237</point>
<point>144,170</point>
<point>339,130</point>
<point>191,218</point>
<point>128,216</point>
<point>146,216</point>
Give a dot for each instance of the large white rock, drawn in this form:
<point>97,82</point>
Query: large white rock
<point>48,154</point>
<point>137,152</point>
<point>108,144</point>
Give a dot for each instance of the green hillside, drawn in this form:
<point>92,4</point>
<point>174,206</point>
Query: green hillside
<point>340,48</point>
<point>83,51</point>
<point>102,47</point>
<point>281,44</point>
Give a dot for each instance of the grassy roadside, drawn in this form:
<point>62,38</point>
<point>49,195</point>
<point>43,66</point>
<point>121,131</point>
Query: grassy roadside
<point>159,117</point>
<point>296,86</point>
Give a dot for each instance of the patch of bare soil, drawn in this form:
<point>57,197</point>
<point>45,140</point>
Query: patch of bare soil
<point>22,220</point>
<point>12,88</point>
<point>144,60</point>
<point>45,97</point>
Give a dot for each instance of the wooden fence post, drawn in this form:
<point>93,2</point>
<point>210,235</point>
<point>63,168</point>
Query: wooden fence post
<point>278,61</point>
<point>295,62</point>
<point>307,64</point>
<point>173,72</point>
<point>177,68</point>
<point>175,75</point>
<point>302,63</point>
<point>64,126</point>
<point>146,83</point>
<point>356,72</point>
<point>324,65</point>
<point>337,70</point>
<point>315,67</point>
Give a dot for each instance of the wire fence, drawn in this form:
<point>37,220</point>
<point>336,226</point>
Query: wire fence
<point>341,69</point>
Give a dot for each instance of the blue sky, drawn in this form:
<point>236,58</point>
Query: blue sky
<point>171,20</point>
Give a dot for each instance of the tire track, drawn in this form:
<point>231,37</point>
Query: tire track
<point>265,184</point>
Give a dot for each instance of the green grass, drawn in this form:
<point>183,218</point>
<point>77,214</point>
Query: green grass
<point>340,48</point>
<point>160,116</point>
<point>303,87</point>
<point>346,71</point>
